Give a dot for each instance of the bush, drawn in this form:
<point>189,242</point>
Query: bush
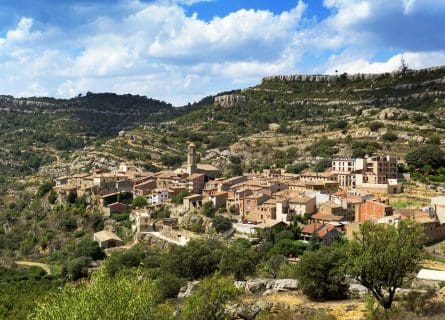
<point>89,248</point>
<point>52,197</point>
<point>120,216</point>
<point>221,224</point>
<point>208,300</point>
<point>238,260</point>
<point>375,126</point>
<point>322,165</point>
<point>426,155</point>
<point>132,298</point>
<point>168,286</point>
<point>296,168</point>
<point>287,248</point>
<point>324,148</point>
<point>389,136</point>
<point>320,273</point>
<point>208,210</point>
<point>44,188</point>
<point>78,268</point>
<point>199,258</point>
<point>67,224</point>
<point>139,201</point>
<point>127,259</point>
<point>180,196</point>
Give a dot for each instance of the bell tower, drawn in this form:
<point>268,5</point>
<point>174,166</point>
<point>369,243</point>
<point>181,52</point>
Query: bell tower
<point>191,159</point>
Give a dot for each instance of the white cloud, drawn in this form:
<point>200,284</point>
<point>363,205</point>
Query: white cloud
<point>157,50</point>
<point>414,60</point>
<point>160,50</point>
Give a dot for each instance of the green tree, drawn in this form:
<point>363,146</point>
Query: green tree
<point>78,268</point>
<point>199,258</point>
<point>139,201</point>
<point>89,248</point>
<point>322,165</point>
<point>383,257</point>
<point>44,188</point>
<point>131,297</point>
<point>237,260</point>
<point>287,248</point>
<point>208,300</point>
<point>320,273</point>
<point>274,263</point>
<point>389,136</point>
<point>127,259</point>
<point>52,197</point>
<point>180,196</point>
<point>375,126</point>
<point>221,223</point>
<point>168,286</point>
<point>426,155</point>
<point>207,209</point>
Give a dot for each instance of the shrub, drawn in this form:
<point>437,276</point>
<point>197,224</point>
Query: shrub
<point>89,248</point>
<point>287,248</point>
<point>320,273</point>
<point>78,268</point>
<point>132,299</point>
<point>208,301</point>
<point>168,286</point>
<point>389,136</point>
<point>375,126</point>
<point>221,224</point>
<point>207,209</point>
<point>139,201</point>
<point>426,155</point>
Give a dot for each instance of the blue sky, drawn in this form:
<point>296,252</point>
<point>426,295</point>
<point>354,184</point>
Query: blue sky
<point>182,50</point>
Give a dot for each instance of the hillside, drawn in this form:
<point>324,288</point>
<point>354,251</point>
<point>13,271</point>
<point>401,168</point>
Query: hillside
<point>286,119</point>
<point>38,131</point>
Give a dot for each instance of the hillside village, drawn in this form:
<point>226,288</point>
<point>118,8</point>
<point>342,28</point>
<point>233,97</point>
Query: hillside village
<point>247,184</point>
<point>326,205</point>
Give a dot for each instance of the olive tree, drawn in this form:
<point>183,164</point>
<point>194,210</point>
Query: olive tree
<point>383,257</point>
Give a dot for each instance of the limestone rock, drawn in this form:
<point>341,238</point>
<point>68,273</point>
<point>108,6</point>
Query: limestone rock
<point>186,291</point>
<point>283,285</point>
<point>255,285</point>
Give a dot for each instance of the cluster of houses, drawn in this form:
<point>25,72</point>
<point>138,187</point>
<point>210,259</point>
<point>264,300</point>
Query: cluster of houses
<point>333,203</point>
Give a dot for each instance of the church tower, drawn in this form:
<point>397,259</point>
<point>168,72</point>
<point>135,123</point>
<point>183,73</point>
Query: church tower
<point>191,159</point>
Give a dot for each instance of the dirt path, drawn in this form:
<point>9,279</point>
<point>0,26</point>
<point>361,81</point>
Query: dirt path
<point>44,266</point>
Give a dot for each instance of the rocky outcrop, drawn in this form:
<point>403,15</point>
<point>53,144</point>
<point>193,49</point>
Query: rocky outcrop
<point>359,76</point>
<point>228,100</point>
<point>267,286</point>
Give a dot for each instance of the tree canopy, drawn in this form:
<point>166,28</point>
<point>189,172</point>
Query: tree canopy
<point>426,155</point>
<point>320,273</point>
<point>123,297</point>
<point>382,257</point>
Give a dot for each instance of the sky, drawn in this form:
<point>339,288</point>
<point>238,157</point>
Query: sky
<point>180,51</point>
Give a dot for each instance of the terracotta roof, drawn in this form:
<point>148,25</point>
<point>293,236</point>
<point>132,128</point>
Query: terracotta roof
<point>326,217</point>
<point>195,176</point>
<point>319,229</point>
<point>300,200</point>
<point>331,204</point>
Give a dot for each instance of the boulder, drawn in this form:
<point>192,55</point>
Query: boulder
<point>283,285</point>
<point>357,289</point>
<point>255,285</point>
